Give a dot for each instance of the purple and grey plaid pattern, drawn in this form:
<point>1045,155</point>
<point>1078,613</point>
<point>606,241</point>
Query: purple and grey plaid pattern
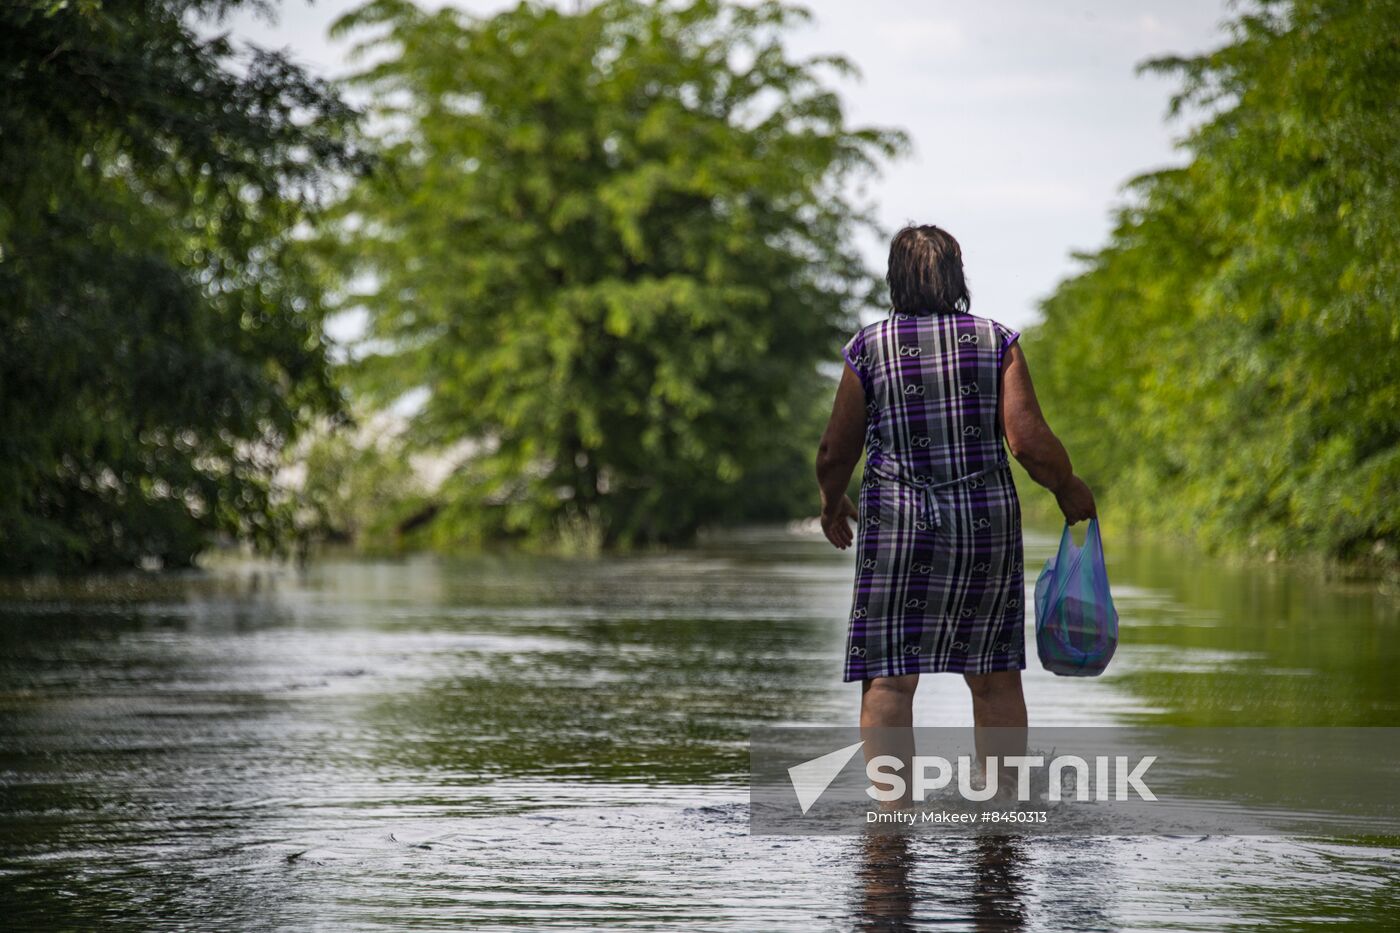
<point>939,575</point>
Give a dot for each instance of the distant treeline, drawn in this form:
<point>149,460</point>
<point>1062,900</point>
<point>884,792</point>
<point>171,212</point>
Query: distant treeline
<point>601,253</point>
<point>1228,366</point>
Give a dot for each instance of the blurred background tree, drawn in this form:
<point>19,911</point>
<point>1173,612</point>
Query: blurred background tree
<point>607,254</point>
<point>1229,365</point>
<point>357,489</point>
<point>160,341</point>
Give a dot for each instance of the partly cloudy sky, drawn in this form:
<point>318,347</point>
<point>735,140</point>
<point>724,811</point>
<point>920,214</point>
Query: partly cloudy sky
<point>1026,115</point>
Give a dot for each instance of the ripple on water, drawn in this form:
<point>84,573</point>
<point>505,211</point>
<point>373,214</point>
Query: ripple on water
<point>519,743</point>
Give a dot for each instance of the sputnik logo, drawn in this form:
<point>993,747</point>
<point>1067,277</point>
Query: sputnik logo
<point>811,778</point>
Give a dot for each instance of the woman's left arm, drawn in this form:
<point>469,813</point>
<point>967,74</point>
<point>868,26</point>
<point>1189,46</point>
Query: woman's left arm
<point>838,455</point>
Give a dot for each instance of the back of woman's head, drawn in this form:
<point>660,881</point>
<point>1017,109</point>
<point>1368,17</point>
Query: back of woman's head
<point>926,272</point>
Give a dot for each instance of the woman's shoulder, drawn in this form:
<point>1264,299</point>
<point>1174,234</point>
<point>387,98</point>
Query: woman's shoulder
<point>1002,336</point>
<point>975,320</point>
<point>873,333</point>
<point>1005,333</point>
<point>874,327</point>
<point>868,334</point>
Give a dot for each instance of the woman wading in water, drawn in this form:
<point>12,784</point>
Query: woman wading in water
<point>929,393</point>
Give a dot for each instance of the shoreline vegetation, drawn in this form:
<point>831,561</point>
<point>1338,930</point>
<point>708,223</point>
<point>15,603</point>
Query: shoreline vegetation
<point>1227,367</point>
<point>605,257</point>
<point>1120,528</point>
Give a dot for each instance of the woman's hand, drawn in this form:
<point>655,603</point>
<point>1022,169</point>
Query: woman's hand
<point>834,524</point>
<point>1076,500</point>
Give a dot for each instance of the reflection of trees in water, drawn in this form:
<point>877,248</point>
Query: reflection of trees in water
<point>984,880</point>
<point>639,668</point>
<point>148,731</point>
<point>1218,643</point>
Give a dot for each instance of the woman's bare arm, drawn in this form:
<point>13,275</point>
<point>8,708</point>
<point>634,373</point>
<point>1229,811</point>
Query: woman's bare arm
<point>1034,445</point>
<point>837,456</point>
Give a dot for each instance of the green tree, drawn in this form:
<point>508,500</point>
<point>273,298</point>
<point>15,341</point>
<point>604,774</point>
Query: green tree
<point>159,337</point>
<point>1229,365</point>
<point>609,248</point>
<point>357,489</point>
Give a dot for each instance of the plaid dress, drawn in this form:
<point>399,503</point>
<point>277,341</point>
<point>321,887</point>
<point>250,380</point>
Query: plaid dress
<point>939,582</point>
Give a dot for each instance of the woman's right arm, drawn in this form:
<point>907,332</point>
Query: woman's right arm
<point>1034,445</point>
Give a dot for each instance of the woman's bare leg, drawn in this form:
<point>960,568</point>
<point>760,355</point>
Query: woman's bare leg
<point>999,720</point>
<point>886,724</point>
<point>997,699</point>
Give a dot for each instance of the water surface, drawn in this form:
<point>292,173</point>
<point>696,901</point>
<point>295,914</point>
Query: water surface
<point>544,743</point>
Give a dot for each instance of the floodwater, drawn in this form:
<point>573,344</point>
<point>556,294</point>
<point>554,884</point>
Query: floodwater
<point>535,743</point>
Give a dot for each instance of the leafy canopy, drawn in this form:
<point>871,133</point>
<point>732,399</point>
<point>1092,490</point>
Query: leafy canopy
<point>159,340</point>
<point>1229,365</point>
<point>608,250</point>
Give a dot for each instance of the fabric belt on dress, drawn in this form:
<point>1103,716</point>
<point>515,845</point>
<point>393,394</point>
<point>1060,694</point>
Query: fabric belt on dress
<point>928,489</point>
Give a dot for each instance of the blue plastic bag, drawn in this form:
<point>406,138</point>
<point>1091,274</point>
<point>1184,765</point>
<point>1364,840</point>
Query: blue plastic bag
<point>1076,626</point>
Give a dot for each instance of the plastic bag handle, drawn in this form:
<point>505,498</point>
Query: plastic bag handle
<point>1076,554</point>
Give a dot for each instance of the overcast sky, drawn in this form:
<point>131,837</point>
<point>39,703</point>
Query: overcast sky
<point>1026,115</point>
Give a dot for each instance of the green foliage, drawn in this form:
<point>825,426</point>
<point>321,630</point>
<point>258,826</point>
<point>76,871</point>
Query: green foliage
<point>159,339</point>
<point>357,489</point>
<point>1229,365</point>
<point>611,246</point>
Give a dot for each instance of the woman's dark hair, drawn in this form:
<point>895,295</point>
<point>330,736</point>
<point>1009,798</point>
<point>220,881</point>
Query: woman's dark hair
<point>926,272</point>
